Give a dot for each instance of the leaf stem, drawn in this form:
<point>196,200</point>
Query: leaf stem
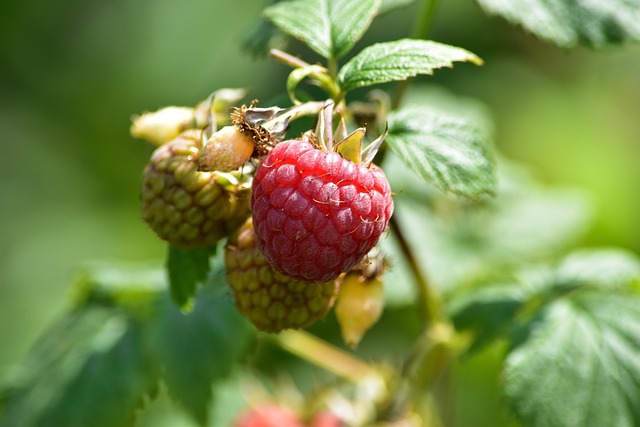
<point>321,353</point>
<point>429,302</point>
<point>420,31</point>
<point>423,25</point>
<point>286,58</point>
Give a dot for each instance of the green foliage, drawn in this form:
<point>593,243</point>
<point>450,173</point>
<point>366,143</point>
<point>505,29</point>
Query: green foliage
<point>448,151</point>
<point>572,327</point>
<point>399,60</point>
<point>568,23</point>
<point>186,268</point>
<point>195,350</point>
<point>574,332</point>
<point>329,27</point>
<point>463,242</point>
<point>89,369</point>
<point>390,5</point>
<point>101,362</point>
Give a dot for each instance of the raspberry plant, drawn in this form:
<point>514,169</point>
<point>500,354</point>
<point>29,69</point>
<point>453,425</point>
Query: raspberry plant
<point>351,197</point>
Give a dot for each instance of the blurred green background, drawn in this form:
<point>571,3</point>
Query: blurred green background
<point>72,74</point>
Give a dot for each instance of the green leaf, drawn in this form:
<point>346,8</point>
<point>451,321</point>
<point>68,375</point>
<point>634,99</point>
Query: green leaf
<point>567,23</point>
<point>399,60</point>
<point>578,363</point>
<point>329,27</point>
<point>601,268</point>
<point>390,5</point>
<point>261,38</point>
<point>197,349</point>
<point>89,369</point>
<point>487,311</point>
<point>187,268</point>
<point>451,152</point>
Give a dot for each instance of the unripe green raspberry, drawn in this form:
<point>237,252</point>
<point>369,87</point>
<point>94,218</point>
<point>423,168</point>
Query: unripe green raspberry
<point>186,207</point>
<point>159,127</point>
<point>269,299</point>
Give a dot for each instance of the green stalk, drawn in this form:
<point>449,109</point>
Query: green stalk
<point>420,31</point>
<point>429,302</point>
<point>323,354</point>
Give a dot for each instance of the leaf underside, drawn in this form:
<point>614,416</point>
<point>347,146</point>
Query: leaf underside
<point>567,23</point>
<point>448,151</point>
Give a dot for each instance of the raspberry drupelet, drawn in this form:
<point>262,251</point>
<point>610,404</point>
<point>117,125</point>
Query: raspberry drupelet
<point>317,214</point>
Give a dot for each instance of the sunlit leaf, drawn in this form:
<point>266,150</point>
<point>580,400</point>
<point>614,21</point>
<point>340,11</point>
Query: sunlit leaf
<point>577,363</point>
<point>448,151</point>
<point>610,268</point>
<point>329,27</point>
<point>399,60</point>
<point>568,23</point>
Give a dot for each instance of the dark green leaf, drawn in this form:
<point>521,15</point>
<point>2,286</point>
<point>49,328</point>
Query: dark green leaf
<point>89,370</point>
<point>119,283</point>
<point>451,152</point>
<point>329,27</point>
<point>577,363</point>
<point>261,38</point>
<point>187,268</point>
<point>567,23</point>
<point>488,312</point>
<point>199,348</point>
<point>399,60</point>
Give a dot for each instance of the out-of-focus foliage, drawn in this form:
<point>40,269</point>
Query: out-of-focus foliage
<point>72,73</point>
<point>101,362</point>
<point>568,23</point>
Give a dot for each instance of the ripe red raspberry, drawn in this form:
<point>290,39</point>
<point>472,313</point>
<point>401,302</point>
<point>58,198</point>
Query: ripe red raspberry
<point>184,206</point>
<point>268,415</point>
<point>269,299</point>
<point>316,213</point>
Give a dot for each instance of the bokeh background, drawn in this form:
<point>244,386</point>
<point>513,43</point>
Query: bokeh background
<point>72,74</point>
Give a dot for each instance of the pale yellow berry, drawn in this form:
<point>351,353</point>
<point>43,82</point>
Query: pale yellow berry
<point>226,150</point>
<point>359,306</point>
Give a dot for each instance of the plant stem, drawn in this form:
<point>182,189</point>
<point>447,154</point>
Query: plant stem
<point>429,303</point>
<point>423,25</point>
<point>421,31</point>
<point>323,354</point>
<point>290,60</point>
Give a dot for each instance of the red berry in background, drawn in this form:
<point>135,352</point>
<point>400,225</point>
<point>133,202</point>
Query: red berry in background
<point>316,213</point>
<point>326,419</point>
<point>268,415</point>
